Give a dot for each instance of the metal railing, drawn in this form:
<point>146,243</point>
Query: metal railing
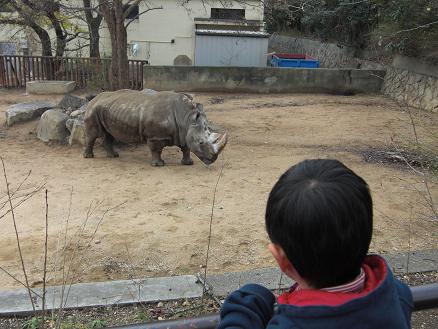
<point>425,297</point>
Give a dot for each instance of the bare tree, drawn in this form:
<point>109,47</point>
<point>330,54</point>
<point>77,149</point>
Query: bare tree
<point>51,9</point>
<point>94,19</point>
<point>35,14</point>
<point>89,15</point>
<point>115,14</point>
<point>23,16</point>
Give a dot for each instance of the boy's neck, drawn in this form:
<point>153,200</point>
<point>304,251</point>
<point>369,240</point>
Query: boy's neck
<point>303,284</point>
<point>352,286</point>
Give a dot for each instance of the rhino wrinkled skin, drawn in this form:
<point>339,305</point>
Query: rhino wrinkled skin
<point>160,120</point>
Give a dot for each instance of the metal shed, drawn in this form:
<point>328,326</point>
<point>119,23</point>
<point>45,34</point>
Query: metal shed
<point>231,48</point>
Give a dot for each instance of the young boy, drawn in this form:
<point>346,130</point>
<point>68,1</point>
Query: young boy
<point>319,218</point>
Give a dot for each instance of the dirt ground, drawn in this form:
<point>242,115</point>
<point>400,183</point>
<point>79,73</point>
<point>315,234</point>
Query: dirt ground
<point>162,222</point>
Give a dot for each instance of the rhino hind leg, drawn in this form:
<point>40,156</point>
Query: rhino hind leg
<point>108,142</point>
<point>156,148</point>
<point>186,159</point>
<point>93,130</point>
<point>90,138</point>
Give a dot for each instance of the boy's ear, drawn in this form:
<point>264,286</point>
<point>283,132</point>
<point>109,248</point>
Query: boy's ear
<point>286,266</point>
<point>283,262</point>
<point>280,257</point>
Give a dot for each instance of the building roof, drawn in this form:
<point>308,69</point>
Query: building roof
<point>234,33</point>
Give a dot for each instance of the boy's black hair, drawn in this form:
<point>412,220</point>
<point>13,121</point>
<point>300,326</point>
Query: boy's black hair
<point>320,212</point>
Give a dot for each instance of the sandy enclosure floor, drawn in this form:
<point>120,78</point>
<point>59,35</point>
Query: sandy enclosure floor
<point>162,226</point>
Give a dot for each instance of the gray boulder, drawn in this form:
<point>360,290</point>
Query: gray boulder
<point>182,60</point>
<point>69,124</point>
<point>149,91</point>
<point>26,111</point>
<point>52,127</point>
<point>79,114</point>
<point>70,101</point>
<point>77,135</point>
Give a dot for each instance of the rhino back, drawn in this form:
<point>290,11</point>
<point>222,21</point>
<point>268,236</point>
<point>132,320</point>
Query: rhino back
<point>131,116</point>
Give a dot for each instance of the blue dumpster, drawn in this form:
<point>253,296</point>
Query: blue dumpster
<point>294,60</point>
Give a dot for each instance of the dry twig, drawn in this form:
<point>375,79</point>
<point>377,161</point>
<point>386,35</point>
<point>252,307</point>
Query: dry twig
<point>16,235</point>
<point>45,261</point>
<point>210,230</point>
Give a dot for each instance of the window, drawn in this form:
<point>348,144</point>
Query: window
<point>133,14</point>
<point>223,13</point>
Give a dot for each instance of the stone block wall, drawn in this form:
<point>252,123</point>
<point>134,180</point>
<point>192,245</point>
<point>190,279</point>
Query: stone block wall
<point>413,89</point>
<point>407,80</point>
<point>330,55</point>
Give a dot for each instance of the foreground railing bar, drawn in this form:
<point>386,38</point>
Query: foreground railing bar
<point>203,322</point>
<point>425,297</point>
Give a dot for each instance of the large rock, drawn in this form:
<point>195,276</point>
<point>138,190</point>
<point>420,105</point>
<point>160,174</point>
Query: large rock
<point>69,124</point>
<point>182,60</point>
<point>26,111</point>
<point>47,87</point>
<point>149,91</point>
<point>77,133</point>
<point>79,114</point>
<point>70,101</point>
<point>51,127</point>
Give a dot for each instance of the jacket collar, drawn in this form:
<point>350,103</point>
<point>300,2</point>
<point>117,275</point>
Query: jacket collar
<point>375,270</point>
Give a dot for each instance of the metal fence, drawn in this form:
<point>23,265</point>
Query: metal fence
<point>16,71</point>
<point>425,297</point>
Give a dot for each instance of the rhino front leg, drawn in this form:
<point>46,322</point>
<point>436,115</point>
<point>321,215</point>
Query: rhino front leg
<point>186,159</point>
<point>156,148</point>
<point>108,146</point>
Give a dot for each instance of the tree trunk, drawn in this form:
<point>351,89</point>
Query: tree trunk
<point>94,40</point>
<point>113,15</point>
<point>44,37</point>
<point>93,28</point>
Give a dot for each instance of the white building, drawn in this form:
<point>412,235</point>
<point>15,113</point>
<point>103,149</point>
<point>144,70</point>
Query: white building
<point>196,33</point>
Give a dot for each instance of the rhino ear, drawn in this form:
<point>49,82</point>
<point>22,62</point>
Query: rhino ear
<point>195,118</point>
<point>200,107</point>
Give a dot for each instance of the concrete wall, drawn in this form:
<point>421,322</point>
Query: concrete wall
<point>408,80</point>
<point>262,80</point>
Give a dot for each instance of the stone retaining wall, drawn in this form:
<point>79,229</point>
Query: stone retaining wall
<point>407,80</point>
<point>330,55</point>
<point>413,89</point>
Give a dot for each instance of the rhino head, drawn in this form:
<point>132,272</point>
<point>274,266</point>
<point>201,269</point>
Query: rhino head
<point>204,143</point>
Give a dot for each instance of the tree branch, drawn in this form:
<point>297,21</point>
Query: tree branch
<point>130,8</point>
<point>415,28</point>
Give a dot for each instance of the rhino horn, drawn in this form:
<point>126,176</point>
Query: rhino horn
<point>220,142</point>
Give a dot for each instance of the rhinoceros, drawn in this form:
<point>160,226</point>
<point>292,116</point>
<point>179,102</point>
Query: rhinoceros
<point>161,119</point>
